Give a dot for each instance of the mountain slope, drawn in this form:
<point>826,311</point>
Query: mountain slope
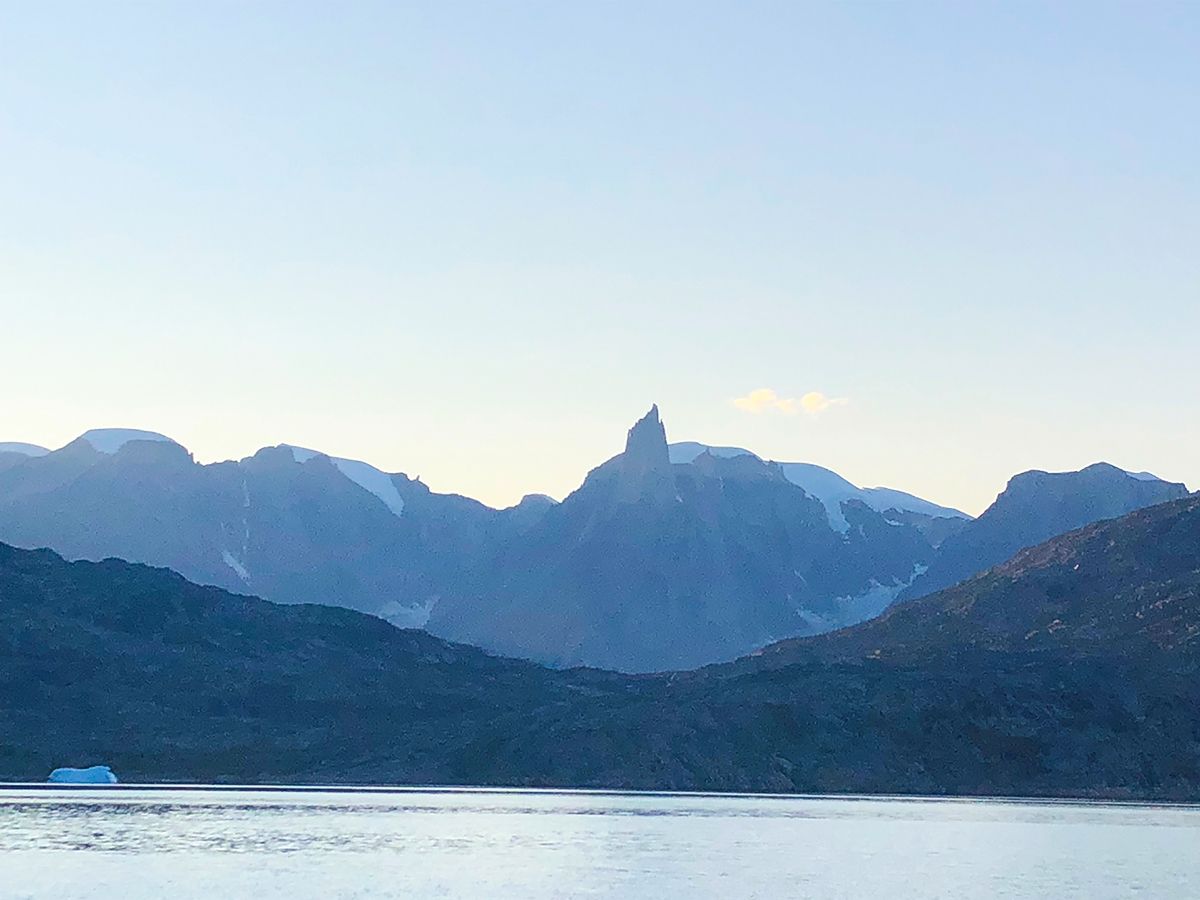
<point>1034,507</point>
<point>656,565</point>
<point>1127,588</point>
<point>289,524</point>
<point>163,678</point>
<point>1071,671</point>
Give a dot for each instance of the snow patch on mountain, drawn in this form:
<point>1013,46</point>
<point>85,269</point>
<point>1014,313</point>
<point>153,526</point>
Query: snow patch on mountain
<point>233,563</point>
<point>826,486</point>
<point>414,616</point>
<point>363,474</point>
<point>32,450</point>
<point>866,604</point>
<point>688,451</point>
<point>882,498</point>
<point>111,440</point>
<point>1142,476</point>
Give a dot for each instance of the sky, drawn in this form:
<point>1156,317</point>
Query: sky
<point>928,245</point>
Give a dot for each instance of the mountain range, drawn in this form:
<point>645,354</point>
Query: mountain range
<point>1070,670</point>
<point>667,556</point>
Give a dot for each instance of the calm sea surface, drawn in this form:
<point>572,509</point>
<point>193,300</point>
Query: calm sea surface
<point>137,844</point>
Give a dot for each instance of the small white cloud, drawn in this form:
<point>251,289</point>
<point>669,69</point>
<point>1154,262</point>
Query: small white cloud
<point>761,400</point>
<point>815,402</point>
<point>766,400</point>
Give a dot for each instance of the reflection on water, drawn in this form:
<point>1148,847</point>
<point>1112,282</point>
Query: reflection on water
<point>142,843</point>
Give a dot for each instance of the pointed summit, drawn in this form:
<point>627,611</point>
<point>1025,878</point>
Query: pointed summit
<point>648,438</point>
<point>646,445</point>
<point>646,462</point>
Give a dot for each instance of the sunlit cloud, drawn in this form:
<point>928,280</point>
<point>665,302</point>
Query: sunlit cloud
<point>815,402</point>
<point>766,400</point>
<point>762,400</point>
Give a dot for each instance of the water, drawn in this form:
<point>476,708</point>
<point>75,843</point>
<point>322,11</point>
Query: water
<point>142,843</point>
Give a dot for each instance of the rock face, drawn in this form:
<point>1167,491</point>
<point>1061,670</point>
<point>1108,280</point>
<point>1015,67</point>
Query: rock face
<point>654,565</point>
<point>1035,507</point>
<point>646,457</point>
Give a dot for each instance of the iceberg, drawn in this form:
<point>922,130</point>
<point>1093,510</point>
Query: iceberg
<point>90,775</point>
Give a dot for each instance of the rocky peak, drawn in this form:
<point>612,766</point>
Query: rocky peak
<point>537,501</point>
<point>644,469</point>
<point>1101,483</point>
<point>646,445</point>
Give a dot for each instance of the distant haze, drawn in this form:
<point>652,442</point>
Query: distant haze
<point>924,245</point>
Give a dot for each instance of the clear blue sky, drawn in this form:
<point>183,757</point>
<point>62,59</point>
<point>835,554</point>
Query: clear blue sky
<point>475,241</point>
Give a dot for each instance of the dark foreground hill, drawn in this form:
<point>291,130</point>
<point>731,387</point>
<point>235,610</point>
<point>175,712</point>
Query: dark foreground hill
<point>1070,671</point>
<point>172,680</point>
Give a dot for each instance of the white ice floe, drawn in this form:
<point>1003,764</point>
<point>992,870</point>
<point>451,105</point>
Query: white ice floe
<point>90,775</point>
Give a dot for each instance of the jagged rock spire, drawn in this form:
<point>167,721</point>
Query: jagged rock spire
<point>646,445</point>
<point>646,462</point>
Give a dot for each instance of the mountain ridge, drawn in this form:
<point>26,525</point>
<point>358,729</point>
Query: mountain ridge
<point>652,564</point>
<point>825,484</point>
